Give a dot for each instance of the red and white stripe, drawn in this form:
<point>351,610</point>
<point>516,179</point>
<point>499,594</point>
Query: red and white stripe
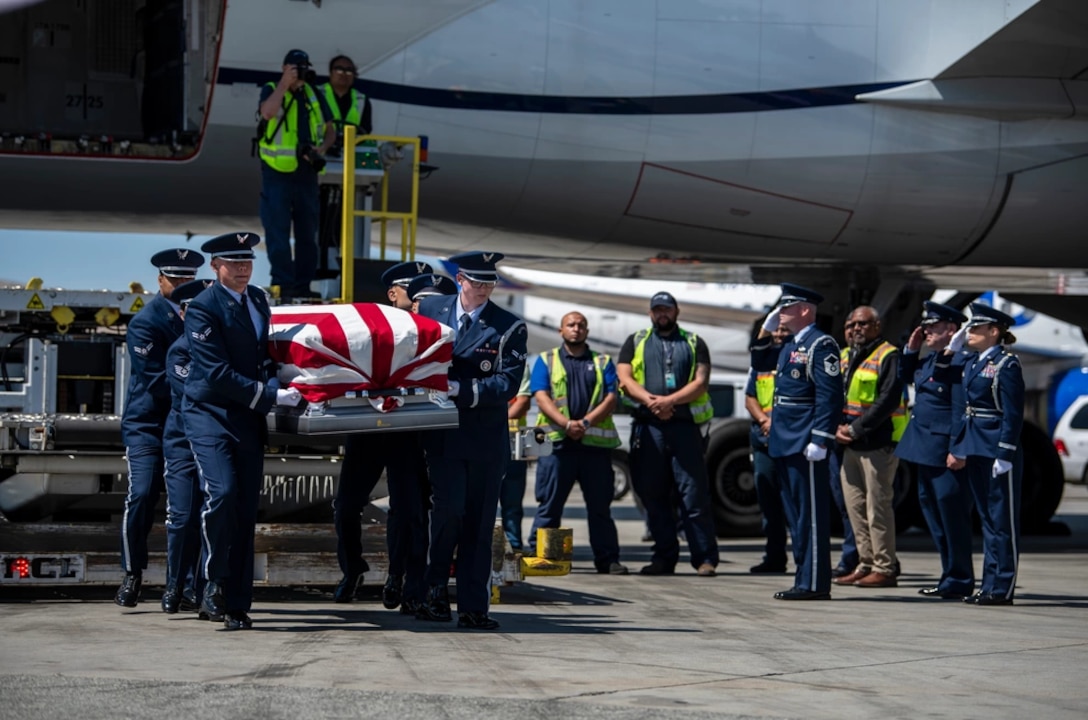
<point>328,350</point>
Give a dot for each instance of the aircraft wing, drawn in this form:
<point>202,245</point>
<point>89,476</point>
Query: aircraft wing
<point>1034,67</point>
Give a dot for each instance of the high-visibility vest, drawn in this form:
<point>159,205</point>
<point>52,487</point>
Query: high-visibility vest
<point>765,389</point>
<point>281,150</point>
<point>600,434</point>
<point>863,387</point>
<point>701,409</point>
<point>354,116</point>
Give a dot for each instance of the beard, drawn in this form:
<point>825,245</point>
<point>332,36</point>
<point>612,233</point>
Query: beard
<point>665,325</point>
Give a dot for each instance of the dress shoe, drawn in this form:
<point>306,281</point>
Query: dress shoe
<point>409,606</point>
<point>476,621</point>
<point>612,569</point>
<point>852,578</point>
<point>706,570</point>
<point>799,594</point>
<point>768,568</point>
<point>993,599</point>
<point>897,569</point>
<point>939,594</point>
<point>392,592</point>
<point>129,592</point>
<point>840,570</point>
<point>171,601</point>
<point>657,568</point>
<point>189,603</point>
<point>237,621</point>
<point>877,580</point>
<point>972,599</point>
<point>213,603</point>
<point>345,591</point>
<point>437,605</point>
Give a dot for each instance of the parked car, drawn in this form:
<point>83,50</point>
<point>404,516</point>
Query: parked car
<point>1071,441</point>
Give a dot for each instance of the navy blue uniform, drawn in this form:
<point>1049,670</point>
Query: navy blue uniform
<point>808,398</point>
<point>944,494</point>
<point>989,414</point>
<point>226,400</point>
<point>764,356</point>
<point>147,406</point>
<point>467,464</point>
<point>183,496</point>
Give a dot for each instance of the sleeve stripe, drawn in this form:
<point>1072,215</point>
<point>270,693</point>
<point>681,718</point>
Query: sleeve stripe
<point>257,396</point>
<point>1006,446</point>
<point>475,392</point>
<point>821,433</point>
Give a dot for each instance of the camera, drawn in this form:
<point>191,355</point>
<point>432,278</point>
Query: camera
<point>310,155</point>
<point>306,74</point>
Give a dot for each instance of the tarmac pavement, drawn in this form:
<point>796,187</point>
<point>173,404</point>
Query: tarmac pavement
<point>579,646</point>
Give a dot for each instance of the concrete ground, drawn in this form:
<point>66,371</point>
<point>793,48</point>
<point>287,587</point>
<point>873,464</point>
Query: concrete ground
<point>579,646</point>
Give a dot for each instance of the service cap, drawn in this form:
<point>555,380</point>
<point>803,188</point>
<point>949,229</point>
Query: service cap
<point>402,273</point>
<point>982,314</point>
<point>183,294</point>
<point>478,266</point>
<point>178,262</point>
<point>232,246</point>
<point>935,313</point>
<point>431,284</point>
<point>792,294</point>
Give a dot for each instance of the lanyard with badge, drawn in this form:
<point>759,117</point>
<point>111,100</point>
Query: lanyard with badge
<point>670,377</point>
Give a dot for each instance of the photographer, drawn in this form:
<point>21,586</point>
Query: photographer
<point>294,132</point>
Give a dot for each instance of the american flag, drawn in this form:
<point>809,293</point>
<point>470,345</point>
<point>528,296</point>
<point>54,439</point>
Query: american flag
<point>328,350</point>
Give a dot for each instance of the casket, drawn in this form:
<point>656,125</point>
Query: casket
<point>360,368</point>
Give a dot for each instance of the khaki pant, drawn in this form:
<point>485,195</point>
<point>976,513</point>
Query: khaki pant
<point>868,478</point>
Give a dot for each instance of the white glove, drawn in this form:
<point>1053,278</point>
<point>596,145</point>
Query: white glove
<point>814,452</point>
<point>455,387</point>
<point>289,397</point>
<point>957,341</point>
<point>770,323</point>
<point>1001,467</point>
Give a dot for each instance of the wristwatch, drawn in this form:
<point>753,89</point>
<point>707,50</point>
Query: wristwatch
<point>851,432</point>
<point>585,423</point>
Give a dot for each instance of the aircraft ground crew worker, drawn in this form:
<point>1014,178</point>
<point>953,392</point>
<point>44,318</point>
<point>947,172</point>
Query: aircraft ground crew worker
<point>758,401</point>
<point>807,408</point>
<point>184,578</point>
<point>666,370</point>
<point>576,391</point>
<point>467,463</point>
<point>989,412</point>
<point>399,454</point>
<point>147,405</point>
<point>943,493</point>
<point>294,134</point>
<point>228,392</point>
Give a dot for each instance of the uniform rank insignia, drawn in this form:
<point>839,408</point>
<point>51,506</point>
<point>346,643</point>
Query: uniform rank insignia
<point>989,371</point>
<point>182,371</point>
<point>144,350</point>
<point>202,336</point>
<point>798,357</point>
<point>831,365</point>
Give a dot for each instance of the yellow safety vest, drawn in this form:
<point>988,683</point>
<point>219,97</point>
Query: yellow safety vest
<point>863,386</point>
<point>765,389</point>
<point>281,150</point>
<point>355,115</point>
<point>701,409</point>
<point>600,434</point>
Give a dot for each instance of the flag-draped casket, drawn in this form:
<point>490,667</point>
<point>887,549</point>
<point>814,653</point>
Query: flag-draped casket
<point>328,350</point>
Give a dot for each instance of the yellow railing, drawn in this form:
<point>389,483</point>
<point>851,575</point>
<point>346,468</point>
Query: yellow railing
<point>408,220</point>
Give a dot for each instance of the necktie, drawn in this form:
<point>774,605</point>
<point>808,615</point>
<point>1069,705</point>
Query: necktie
<point>466,323</point>
<point>245,302</point>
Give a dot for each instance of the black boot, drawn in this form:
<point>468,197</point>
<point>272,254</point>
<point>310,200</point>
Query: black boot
<point>436,606</point>
<point>171,600</point>
<point>128,595</point>
<point>213,604</point>
<point>392,593</point>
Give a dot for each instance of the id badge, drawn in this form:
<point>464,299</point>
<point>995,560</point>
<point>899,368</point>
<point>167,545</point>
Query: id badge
<point>670,381</point>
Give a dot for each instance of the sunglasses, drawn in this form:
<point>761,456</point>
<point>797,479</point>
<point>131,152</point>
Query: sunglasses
<point>344,70</point>
<point>858,323</point>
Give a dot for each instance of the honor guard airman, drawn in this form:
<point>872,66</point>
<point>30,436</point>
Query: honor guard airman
<point>467,463</point>
<point>943,493</point>
<point>400,455</point>
<point>427,285</point>
<point>147,405</point>
<point>229,390</point>
<point>989,414</point>
<point>184,580</point>
<point>808,399</point>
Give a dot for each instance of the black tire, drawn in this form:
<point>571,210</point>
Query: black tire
<point>621,473</point>
<point>733,483</point>
<point>1043,479</point>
